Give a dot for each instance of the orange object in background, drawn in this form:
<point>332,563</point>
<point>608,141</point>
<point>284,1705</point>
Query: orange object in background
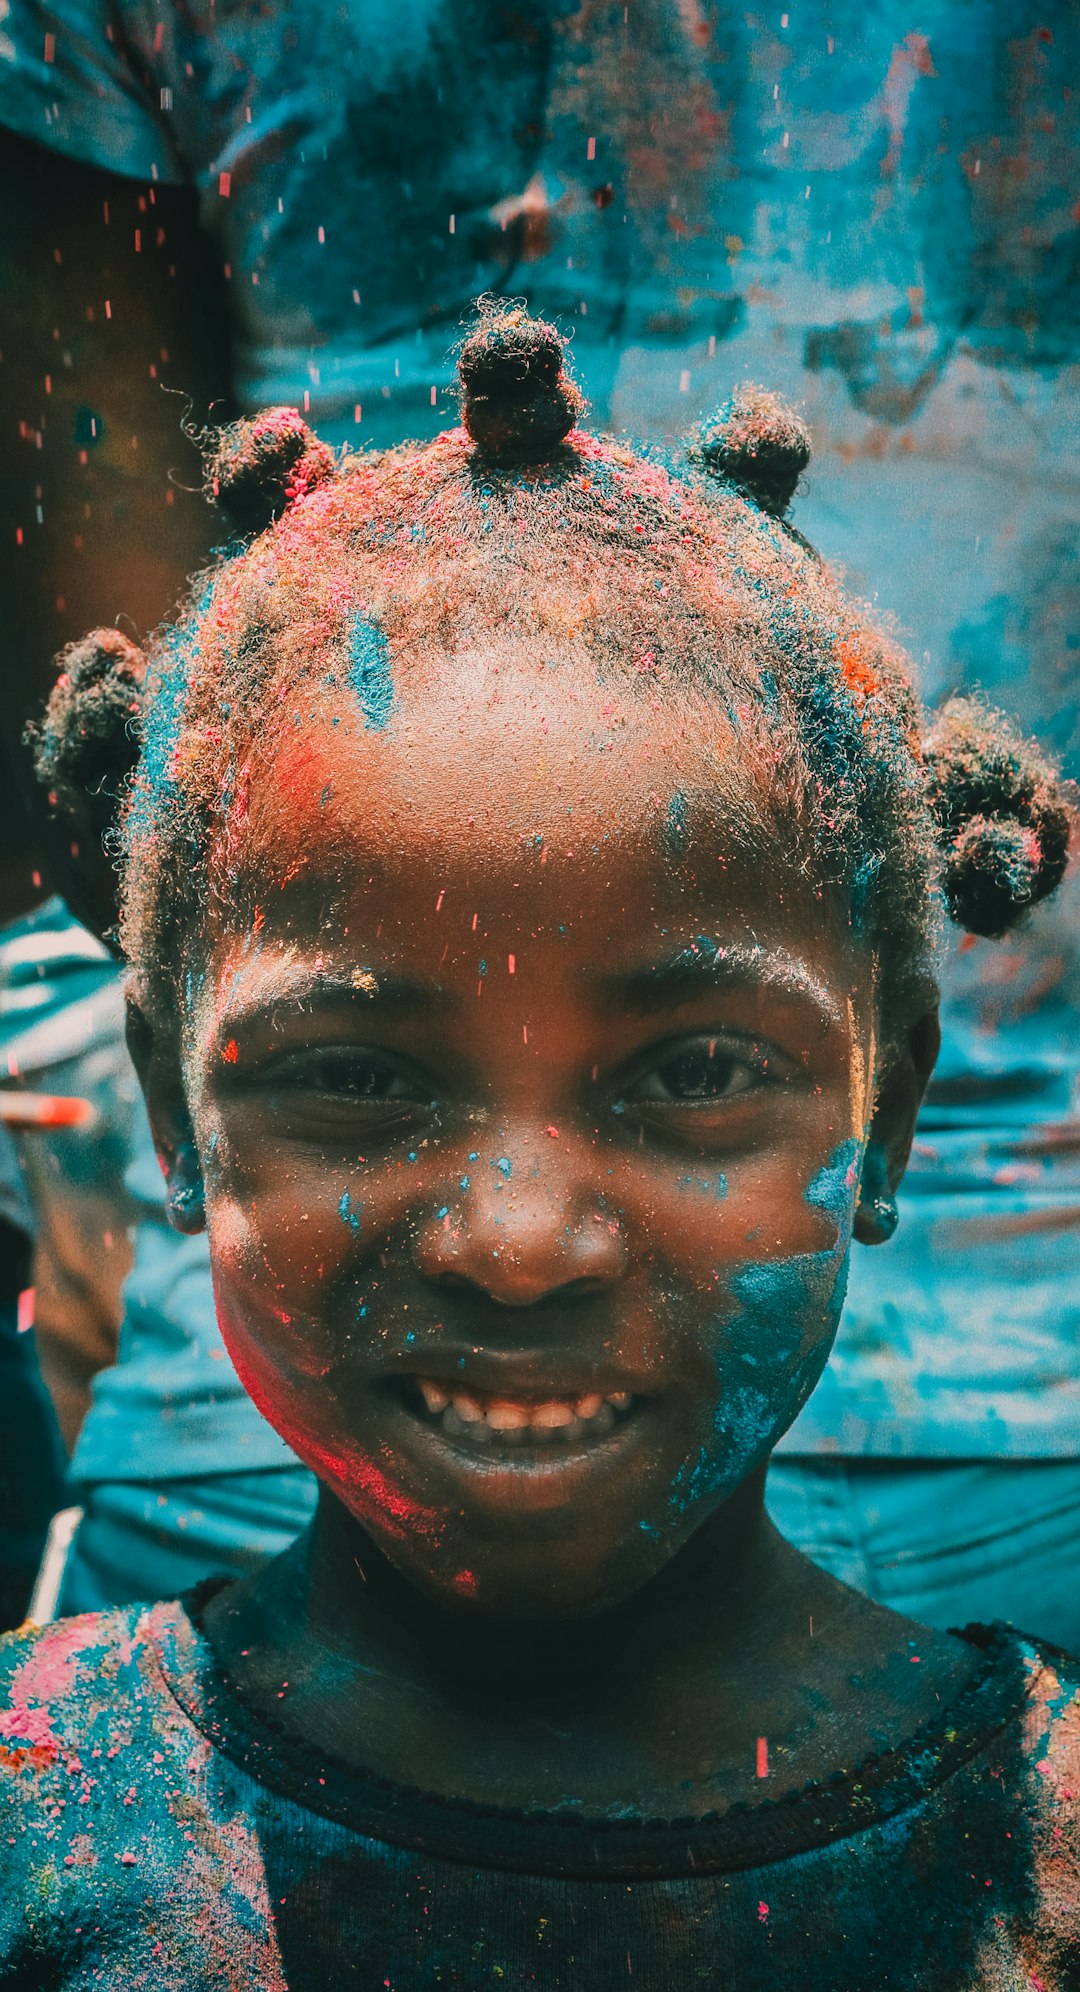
<point>22,1112</point>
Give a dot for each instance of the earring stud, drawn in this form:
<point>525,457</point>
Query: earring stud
<point>885,1216</point>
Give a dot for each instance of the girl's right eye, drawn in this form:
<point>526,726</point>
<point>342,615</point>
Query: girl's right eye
<point>344,1081</point>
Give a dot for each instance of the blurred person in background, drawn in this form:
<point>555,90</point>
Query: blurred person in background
<point>298,204</point>
<point>32,1457</point>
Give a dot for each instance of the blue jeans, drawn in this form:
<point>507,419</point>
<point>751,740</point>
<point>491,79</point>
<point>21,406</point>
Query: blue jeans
<point>945,1541</point>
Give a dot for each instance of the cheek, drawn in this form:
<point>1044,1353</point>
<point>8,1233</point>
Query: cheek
<point>272,1341</point>
<point>282,1356</point>
<point>765,1360</point>
<point>766,1349</point>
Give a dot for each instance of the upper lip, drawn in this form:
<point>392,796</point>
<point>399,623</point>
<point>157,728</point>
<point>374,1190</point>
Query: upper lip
<point>512,1376</point>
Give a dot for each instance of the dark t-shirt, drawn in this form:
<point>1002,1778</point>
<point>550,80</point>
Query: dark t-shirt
<point>155,1833</point>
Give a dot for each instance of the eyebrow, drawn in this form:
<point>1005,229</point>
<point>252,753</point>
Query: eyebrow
<point>365,990</point>
<point>706,965</point>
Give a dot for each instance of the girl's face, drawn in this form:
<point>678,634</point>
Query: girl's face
<point>530,1117</point>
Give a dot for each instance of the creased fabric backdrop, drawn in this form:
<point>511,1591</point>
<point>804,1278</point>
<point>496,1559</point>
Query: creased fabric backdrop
<point>874,210</point>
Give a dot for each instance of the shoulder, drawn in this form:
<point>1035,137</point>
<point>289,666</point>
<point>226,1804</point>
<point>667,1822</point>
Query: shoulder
<point>84,1705</point>
<point>1050,1737</point>
<point>116,1813</point>
<point>1012,1819</point>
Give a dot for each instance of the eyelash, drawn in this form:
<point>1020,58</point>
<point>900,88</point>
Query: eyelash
<point>306,1072</point>
<point>727,1058</point>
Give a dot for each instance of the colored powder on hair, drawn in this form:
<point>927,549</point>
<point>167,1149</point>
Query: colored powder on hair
<point>369,672</point>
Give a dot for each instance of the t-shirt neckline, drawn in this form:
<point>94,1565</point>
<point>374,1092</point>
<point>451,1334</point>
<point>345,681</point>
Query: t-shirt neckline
<point>741,1836</point>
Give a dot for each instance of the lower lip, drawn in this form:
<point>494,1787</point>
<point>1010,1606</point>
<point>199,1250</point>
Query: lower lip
<point>552,1471</point>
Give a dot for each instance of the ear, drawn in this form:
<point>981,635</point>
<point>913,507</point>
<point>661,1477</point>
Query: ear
<point>156,1057</point>
<point>902,1083</point>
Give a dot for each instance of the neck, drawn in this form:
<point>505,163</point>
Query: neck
<point>353,1603</point>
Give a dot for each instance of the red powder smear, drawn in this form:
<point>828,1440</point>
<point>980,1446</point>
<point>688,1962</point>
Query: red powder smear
<point>762,1766</point>
<point>230,1052</point>
<point>356,1470</point>
<point>855,669</point>
<point>762,1912</point>
<point>348,1470</point>
<point>465,1581</point>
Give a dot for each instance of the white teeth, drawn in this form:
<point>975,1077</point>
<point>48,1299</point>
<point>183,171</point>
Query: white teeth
<point>517,1421</point>
<point>548,1417</point>
<point>467,1408</point>
<point>504,1417</point>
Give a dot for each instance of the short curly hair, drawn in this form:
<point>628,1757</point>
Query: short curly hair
<point>663,569</point>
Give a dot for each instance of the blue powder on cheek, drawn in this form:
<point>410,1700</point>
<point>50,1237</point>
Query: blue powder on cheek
<point>833,1187</point>
<point>346,1212</point>
<point>369,672</point>
<point>786,1315</point>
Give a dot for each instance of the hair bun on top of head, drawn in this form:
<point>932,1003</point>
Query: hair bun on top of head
<point>257,466</point>
<point>757,442</point>
<point>1002,819</point>
<point>518,397</point>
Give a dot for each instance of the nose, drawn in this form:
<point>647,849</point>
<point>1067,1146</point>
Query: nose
<point>525,1229</point>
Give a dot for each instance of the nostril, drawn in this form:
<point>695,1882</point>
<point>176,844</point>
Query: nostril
<point>456,1282</point>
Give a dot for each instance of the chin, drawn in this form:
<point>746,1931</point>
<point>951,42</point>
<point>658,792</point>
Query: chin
<point>551,1583</point>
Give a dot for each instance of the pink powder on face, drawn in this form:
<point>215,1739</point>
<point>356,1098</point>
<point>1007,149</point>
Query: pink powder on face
<point>353,1471</point>
<point>345,1468</point>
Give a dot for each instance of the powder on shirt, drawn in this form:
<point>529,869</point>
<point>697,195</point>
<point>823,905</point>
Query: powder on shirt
<point>155,1833</point>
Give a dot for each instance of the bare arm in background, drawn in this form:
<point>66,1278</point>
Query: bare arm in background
<point>108,298</point>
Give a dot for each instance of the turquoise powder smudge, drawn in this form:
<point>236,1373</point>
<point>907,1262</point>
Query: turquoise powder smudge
<point>347,1213</point>
<point>780,1306</point>
<point>676,827</point>
<point>369,672</point>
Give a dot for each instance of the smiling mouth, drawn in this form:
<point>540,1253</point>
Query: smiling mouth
<point>491,1422</point>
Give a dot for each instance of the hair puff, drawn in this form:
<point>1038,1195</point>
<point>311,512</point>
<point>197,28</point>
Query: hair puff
<point>518,397</point>
<point>86,742</point>
<point>1003,822</point>
<point>254,468</point>
<point>758,443</point>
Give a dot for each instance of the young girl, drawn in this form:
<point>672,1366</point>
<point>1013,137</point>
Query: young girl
<point>531,867</point>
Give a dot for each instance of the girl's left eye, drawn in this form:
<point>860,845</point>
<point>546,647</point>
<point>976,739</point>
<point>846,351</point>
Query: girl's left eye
<point>700,1075</point>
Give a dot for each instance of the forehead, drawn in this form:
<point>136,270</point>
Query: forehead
<point>490,749</point>
<point>504,808</point>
